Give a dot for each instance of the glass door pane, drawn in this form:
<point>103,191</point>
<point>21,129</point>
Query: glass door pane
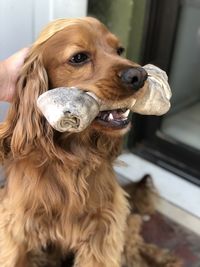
<point>182,123</point>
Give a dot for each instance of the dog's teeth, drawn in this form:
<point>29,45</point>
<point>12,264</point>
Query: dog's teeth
<point>125,114</point>
<point>110,117</point>
<point>105,116</point>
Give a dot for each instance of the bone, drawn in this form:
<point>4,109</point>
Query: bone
<point>73,110</point>
<point>68,109</point>
<point>156,93</point>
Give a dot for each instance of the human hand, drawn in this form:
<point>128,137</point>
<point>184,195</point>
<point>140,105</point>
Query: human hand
<point>9,71</point>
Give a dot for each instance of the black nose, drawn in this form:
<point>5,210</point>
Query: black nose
<point>134,77</point>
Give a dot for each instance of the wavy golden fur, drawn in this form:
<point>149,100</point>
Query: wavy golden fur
<point>61,194</point>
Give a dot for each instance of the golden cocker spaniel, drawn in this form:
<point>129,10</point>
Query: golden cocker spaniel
<point>61,193</point>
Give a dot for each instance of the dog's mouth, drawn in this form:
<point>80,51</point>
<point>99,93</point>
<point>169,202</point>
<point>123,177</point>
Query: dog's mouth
<point>117,118</point>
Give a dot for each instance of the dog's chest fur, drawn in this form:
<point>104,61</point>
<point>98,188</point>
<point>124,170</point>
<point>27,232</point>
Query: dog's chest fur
<point>54,202</point>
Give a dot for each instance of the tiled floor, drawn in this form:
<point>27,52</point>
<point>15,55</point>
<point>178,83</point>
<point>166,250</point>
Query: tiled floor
<point>166,234</point>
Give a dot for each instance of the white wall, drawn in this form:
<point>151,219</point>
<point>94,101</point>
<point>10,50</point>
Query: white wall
<point>22,20</point>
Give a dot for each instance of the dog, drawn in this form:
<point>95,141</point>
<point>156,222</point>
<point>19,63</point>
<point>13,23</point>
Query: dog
<point>61,194</point>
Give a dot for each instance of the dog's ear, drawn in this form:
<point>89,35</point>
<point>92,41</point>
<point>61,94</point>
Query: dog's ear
<point>25,128</point>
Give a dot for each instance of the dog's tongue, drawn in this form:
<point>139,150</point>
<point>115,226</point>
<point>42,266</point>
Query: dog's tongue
<point>119,114</point>
<point>116,114</point>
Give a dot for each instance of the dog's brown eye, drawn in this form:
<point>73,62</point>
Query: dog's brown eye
<point>79,58</point>
<point>120,50</point>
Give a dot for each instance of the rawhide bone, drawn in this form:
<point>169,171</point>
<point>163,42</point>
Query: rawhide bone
<point>70,109</point>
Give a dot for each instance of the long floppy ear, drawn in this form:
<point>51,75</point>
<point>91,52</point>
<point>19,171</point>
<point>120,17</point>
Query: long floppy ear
<point>25,129</point>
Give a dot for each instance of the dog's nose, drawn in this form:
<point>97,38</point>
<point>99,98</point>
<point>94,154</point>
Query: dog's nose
<point>134,77</point>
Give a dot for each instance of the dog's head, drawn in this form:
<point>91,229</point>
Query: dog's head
<point>84,54</point>
<point>71,53</point>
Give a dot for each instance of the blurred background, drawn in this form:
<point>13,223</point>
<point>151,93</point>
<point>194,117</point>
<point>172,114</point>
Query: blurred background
<point>165,33</point>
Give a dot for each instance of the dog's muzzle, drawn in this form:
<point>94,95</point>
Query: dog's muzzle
<point>73,110</point>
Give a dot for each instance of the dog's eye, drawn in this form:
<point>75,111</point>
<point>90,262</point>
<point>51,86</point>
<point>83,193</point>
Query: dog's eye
<point>79,58</point>
<point>120,50</point>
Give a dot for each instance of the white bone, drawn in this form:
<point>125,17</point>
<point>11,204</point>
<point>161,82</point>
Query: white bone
<point>73,110</point>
